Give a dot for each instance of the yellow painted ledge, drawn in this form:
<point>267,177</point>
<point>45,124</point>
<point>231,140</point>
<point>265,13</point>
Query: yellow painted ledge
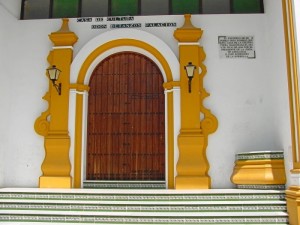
<point>264,171</point>
<point>293,204</point>
<point>55,182</point>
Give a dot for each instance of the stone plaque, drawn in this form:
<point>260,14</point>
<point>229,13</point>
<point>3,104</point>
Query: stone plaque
<point>234,47</point>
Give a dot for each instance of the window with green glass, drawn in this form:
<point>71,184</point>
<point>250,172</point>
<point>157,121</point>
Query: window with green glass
<point>124,7</point>
<point>215,6</point>
<point>35,9</point>
<point>41,9</point>
<point>154,7</point>
<point>247,6</point>
<point>65,8</point>
<point>94,8</point>
<point>186,6</point>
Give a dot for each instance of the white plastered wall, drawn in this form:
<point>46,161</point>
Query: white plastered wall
<point>13,7</point>
<point>247,96</point>
<point>24,49</point>
<point>276,62</point>
<point>3,89</point>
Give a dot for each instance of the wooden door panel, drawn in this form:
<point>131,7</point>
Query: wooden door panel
<point>126,130</point>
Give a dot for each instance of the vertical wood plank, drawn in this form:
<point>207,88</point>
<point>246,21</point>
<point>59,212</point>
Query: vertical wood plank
<point>126,128</point>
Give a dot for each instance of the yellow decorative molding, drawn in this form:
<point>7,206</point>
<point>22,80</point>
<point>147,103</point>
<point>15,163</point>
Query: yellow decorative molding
<point>123,42</point>
<point>41,125</point>
<point>192,166</point>
<point>63,37</point>
<point>293,78</point>
<point>293,204</point>
<point>59,182</point>
<point>78,141</point>
<point>79,103</point>
<point>57,162</point>
<point>53,123</point>
<point>295,171</point>
<point>80,87</point>
<point>171,84</point>
<point>188,33</point>
<point>265,171</point>
<point>209,123</point>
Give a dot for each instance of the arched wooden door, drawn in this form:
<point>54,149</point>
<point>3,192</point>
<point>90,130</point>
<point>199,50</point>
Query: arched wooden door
<point>126,114</point>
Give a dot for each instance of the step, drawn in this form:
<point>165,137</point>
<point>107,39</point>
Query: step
<point>120,206</point>
<point>203,218</point>
<point>269,206</point>
<point>145,195</point>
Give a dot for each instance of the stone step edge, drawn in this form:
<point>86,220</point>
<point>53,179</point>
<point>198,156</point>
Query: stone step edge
<point>146,214</point>
<point>143,202</point>
<point>141,210</point>
<point>147,200</point>
<point>134,192</point>
<point>19,219</point>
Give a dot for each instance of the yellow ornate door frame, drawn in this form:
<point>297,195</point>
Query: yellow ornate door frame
<point>169,67</point>
<point>53,123</point>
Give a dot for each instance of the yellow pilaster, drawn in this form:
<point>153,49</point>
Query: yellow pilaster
<point>293,192</point>
<point>293,204</point>
<point>192,165</point>
<point>53,124</point>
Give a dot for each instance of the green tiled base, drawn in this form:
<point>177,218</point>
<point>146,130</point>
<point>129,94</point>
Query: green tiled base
<point>260,155</point>
<point>124,184</point>
<point>261,186</point>
<point>141,220</point>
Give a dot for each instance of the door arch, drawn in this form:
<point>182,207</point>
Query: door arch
<point>126,113</point>
<point>83,65</point>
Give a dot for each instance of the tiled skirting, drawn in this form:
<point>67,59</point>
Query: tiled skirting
<point>144,220</point>
<point>124,184</point>
<point>261,186</point>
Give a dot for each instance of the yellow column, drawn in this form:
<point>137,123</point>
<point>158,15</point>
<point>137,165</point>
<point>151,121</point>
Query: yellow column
<point>53,124</point>
<point>293,192</point>
<point>192,165</point>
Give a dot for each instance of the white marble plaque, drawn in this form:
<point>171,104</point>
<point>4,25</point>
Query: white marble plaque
<point>236,47</point>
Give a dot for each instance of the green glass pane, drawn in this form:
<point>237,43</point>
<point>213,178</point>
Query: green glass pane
<point>246,6</point>
<point>124,7</point>
<point>65,8</point>
<point>185,6</point>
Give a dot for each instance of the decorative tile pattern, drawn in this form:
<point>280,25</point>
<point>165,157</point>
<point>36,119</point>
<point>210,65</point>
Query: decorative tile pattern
<point>260,155</point>
<point>123,185</point>
<point>143,220</point>
<point>261,186</point>
<point>201,207</point>
<point>157,207</point>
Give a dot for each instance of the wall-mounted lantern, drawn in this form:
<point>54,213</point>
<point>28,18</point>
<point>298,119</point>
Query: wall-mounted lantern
<point>190,69</point>
<point>53,75</point>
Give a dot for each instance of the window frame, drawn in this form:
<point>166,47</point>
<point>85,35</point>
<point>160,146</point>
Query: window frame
<point>109,13</point>
<point>262,8</point>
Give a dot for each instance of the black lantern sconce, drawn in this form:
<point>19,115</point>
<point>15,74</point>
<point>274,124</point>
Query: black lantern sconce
<point>53,75</point>
<point>190,69</point>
